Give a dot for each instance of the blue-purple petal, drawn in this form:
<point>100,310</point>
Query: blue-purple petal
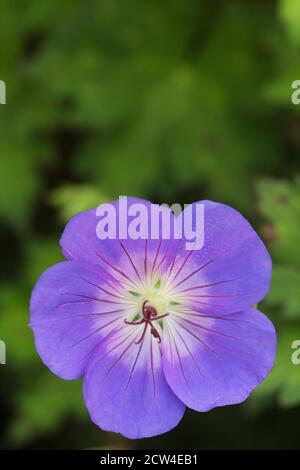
<point>214,361</point>
<point>70,314</point>
<point>233,269</point>
<point>125,389</point>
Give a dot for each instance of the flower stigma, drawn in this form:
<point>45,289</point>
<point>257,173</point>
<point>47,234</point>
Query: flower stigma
<point>149,314</point>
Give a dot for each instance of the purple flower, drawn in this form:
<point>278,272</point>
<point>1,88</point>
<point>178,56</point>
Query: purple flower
<point>153,327</point>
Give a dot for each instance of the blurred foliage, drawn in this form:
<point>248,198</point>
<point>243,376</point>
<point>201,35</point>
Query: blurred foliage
<point>43,405</point>
<point>173,101</point>
<point>71,199</point>
<point>289,11</point>
<point>280,206</point>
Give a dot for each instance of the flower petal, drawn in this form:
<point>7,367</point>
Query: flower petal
<point>73,306</point>
<point>128,259</point>
<point>214,361</point>
<point>125,389</point>
<point>231,272</point>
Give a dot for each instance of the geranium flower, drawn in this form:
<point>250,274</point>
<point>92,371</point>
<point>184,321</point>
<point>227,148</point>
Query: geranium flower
<point>152,327</point>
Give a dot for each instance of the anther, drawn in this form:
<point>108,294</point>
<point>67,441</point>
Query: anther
<point>149,315</point>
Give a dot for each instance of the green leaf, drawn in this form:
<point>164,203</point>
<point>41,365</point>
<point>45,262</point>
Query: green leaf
<point>14,302</point>
<point>284,379</point>
<point>19,180</point>
<point>14,320</point>
<point>44,405</point>
<point>289,11</point>
<point>71,199</point>
<point>280,205</point>
<point>41,253</point>
<point>285,292</point>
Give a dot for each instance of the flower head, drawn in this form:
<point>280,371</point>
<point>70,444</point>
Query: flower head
<point>153,327</point>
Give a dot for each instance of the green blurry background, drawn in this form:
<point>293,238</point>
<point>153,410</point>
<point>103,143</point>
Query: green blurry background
<point>173,101</point>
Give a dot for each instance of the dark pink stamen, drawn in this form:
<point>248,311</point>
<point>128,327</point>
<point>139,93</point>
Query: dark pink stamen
<point>149,315</point>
